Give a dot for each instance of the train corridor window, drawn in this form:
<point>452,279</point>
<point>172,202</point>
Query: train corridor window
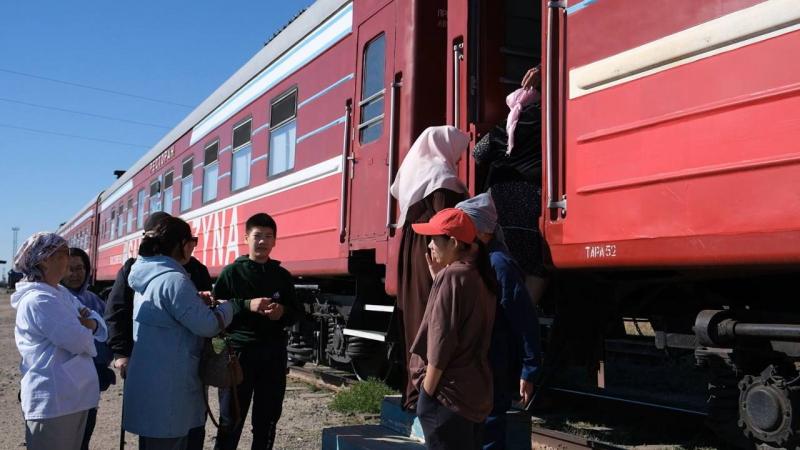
<point>370,126</point>
<point>130,215</point>
<point>155,196</point>
<point>140,209</point>
<point>121,221</point>
<point>168,192</point>
<point>113,229</point>
<point>210,172</point>
<point>186,185</point>
<point>283,133</point>
<point>240,165</point>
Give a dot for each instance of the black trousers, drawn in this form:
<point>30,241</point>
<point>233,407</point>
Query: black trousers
<point>264,383</point>
<point>444,429</point>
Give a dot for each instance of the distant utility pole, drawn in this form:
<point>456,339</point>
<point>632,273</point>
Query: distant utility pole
<point>14,248</point>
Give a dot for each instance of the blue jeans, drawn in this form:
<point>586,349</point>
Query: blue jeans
<point>264,383</point>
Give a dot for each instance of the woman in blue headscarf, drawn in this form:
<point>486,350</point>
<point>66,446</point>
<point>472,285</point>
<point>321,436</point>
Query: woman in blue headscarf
<point>515,352</point>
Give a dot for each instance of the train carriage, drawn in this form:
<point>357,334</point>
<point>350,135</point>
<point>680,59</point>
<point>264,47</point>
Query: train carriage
<point>667,178</point>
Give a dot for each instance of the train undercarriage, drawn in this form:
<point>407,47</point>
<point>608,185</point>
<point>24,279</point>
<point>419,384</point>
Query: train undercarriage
<point>741,330</point>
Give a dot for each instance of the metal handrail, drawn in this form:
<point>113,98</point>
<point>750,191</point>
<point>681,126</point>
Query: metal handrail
<point>551,203</point>
<point>345,172</point>
<point>374,120</point>
<point>372,97</point>
<point>392,150</point>
<point>458,56</point>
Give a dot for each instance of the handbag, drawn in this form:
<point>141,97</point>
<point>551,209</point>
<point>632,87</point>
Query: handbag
<point>219,367</point>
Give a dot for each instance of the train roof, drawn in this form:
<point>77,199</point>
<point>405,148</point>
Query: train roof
<point>277,46</point>
<point>68,225</point>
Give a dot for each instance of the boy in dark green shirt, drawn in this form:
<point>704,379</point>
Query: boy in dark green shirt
<point>264,291</point>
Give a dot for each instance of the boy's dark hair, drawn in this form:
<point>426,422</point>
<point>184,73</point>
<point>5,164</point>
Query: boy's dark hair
<point>261,220</point>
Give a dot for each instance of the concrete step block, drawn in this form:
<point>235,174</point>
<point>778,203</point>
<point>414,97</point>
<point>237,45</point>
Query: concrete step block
<point>362,437</point>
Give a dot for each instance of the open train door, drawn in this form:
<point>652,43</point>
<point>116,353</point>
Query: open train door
<point>368,326</point>
<point>369,159</point>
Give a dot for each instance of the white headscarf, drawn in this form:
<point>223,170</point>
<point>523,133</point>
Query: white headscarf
<point>33,251</point>
<point>429,165</point>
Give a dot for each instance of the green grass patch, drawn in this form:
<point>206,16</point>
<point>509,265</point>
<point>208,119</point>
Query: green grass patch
<point>361,397</point>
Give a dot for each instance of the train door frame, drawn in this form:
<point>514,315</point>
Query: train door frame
<point>369,162</point>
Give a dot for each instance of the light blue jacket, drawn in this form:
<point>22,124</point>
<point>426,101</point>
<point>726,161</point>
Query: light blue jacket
<point>58,375</point>
<point>163,394</point>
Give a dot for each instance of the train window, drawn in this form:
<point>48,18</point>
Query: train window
<point>168,192</point>
<point>240,166</point>
<point>210,172</point>
<point>113,228</point>
<point>186,185</point>
<point>283,109</point>
<point>121,221</point>
<point>283,133</point>
<point>370,126</point>
<point>130,215</point>
<point>155,196</point>
<point>140,209</point>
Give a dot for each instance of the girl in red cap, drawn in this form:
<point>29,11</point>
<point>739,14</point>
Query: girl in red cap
<point>449,362</point>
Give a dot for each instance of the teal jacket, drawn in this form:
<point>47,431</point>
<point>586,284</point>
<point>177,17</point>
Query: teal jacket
<point>163,395</point>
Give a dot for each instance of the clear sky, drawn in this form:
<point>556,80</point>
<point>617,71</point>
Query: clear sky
<point>175,51</point>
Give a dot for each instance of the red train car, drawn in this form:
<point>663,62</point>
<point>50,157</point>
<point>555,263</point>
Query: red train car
<point>668,173</point>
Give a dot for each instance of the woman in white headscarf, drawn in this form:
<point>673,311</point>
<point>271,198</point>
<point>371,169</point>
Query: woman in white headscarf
<point>426,183</point>
<point>55,335</point>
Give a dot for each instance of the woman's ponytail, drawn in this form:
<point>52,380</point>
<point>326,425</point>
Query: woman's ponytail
<point>167,235</point>
<point>484,266</point>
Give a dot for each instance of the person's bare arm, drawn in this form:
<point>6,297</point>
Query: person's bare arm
<point>431,381</point>
<point>533,78</point>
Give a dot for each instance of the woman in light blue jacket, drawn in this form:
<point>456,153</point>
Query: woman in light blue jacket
<point>55,336</point>
<point>163,396</point>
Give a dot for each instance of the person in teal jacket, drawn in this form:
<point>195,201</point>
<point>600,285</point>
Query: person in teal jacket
<point>163,397</point>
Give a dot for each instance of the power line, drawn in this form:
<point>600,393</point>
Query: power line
<point>55,133</point>
<point>83,113</point>
<point>108,91</point>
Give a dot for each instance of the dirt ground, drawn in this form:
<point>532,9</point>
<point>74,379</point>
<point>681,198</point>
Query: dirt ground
<point>305,408</point>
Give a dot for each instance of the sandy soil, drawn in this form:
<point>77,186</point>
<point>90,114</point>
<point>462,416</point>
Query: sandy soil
<point>305,408</point>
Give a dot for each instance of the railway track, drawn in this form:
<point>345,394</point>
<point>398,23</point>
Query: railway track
<point>543,438</point>
<point>579,419</point>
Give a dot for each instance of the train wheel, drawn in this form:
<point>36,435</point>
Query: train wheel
<point>723,408</point>
<point>371,359</point>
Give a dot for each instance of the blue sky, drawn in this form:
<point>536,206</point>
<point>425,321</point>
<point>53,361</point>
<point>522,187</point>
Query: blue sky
<point>176,51</point>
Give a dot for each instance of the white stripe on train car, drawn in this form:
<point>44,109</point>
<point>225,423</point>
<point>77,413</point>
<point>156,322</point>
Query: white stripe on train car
<point>301,177</point>
<point>321,129</point>
<point>124,189</point>
<point>325,36</point>
<point>325,91</point>
<point>744,27</point>
<point>78,222</point>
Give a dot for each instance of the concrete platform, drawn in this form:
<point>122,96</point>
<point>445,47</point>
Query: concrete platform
<point>401,430</point>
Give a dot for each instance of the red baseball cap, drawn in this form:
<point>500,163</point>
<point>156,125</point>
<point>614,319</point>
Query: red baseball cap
<point>451,222</point>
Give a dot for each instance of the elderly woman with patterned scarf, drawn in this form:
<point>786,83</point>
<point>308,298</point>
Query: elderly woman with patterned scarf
<point>515,352</point>
<point>55,335</point>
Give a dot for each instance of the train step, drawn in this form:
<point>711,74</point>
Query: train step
<point>379,308</point>
<point>366,334</point>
